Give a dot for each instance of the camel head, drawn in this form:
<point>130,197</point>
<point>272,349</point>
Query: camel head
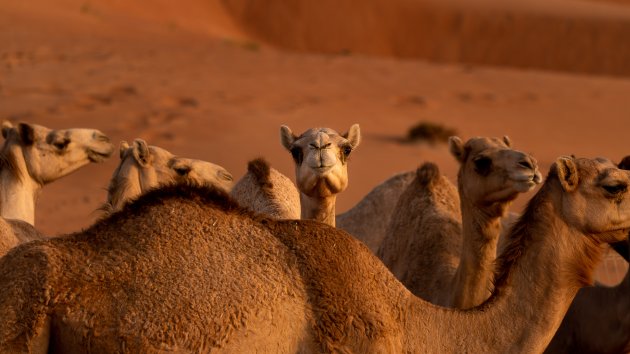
<point>595,198</point>
<point>51,154</point>
<point>321,157</point>
<point>143,167</point>
<point>201,172</point>
<point>491,172</point>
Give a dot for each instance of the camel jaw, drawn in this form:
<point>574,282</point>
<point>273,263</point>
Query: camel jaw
<point>100,156</point>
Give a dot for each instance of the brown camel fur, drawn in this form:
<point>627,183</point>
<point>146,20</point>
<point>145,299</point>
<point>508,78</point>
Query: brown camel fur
<point>321,167</point>
<point>143,167</point>
<point>184,269</point>
<point>442,264</point>
<point>33,156</point>
<point>598,320</point>
<point>368,219</point>
<point>267,191</point>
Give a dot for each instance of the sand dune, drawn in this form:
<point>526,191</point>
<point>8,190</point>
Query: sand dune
<point>561,35</point>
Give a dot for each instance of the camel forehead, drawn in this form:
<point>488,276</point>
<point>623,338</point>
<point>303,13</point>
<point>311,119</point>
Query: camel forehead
<point>42,132</point>
<point>198,165</point>
<point>317,133</point>
<point>160,153</point>
<point>478,144</point>
<point>596,166</point>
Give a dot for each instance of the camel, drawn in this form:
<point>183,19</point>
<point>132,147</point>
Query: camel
<point>143,167</point>
<point>321,170</point>
<point>369,218</point>
<point>598,320</point>
<point>440,258</point>
<point>33,156</point>
<point>267,191</point>
<point>185,269</point>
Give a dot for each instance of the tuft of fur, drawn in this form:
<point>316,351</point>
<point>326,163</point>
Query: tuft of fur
<point>260,169</point>
<point>428,173</point>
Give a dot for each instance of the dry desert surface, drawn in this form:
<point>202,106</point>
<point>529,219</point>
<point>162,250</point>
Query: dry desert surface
<point>214,80</point>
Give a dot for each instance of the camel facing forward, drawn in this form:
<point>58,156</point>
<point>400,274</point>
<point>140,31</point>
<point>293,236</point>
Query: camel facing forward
<point>321,167</point>
<point>184,269</point>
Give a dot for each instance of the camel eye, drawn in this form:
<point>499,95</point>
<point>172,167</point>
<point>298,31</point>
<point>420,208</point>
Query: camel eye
<point>296,152</point>
<point>182,170</point>
<point>346,150</point>
<point>616,188</point>
<point>61,145</point>
<point>482,165</point>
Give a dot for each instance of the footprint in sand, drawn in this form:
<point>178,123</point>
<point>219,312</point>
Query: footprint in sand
<point>170,102</point>
<point>106,98</point>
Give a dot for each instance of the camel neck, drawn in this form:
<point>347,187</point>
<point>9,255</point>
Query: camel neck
<point>472,281</point>
<point>18,192</point>
<point>541,272</point>
<point>318,208</point>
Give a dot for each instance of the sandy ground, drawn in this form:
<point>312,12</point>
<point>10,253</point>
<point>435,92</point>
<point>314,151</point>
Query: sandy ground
<point>199,83</point>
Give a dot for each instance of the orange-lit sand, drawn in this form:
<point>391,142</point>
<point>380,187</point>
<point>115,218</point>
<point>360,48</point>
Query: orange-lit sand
<point>193,79</point>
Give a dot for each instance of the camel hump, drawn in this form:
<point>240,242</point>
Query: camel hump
<point>428,173</point>
<point>261,171</point>
<point>625,163</point>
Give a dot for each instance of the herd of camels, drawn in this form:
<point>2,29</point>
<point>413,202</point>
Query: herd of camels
<point>187,260</point>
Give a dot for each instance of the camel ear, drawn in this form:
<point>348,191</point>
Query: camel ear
<point>6,128</point>
<point>141,152</point>
<point>507,141</point>
<point>567,173</point>
<point>286,137</point>
<point>354,136</point>
<point>123,148</point>
<point>625,163</point>
<point>27,133</point>
<point>456,146</point>
<point>427,173</point>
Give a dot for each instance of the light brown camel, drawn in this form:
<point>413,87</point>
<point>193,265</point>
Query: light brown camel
<point>143,167</point>
<point>369,218</point>
<point>33,156</point>
<point>184,269</point>
<point>267,191</point>
<point>14,232</point>
<point>598,320</point>
<point>424,245</point>
<point>321,170</point>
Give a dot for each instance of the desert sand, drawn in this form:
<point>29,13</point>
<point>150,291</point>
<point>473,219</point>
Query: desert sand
<point>214,80</point>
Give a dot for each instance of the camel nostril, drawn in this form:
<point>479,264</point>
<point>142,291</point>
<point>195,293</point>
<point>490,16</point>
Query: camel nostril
<point>101,137</point>
<point>526,163</point>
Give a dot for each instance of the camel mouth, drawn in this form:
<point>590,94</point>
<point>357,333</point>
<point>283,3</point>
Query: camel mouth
<point>99,156</point>
<point>533,178</point>
<point>321,170</point>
